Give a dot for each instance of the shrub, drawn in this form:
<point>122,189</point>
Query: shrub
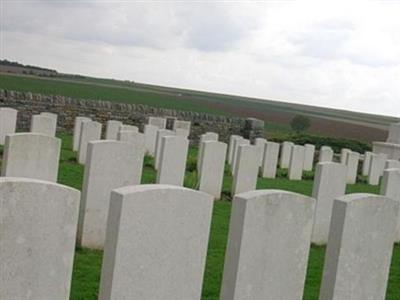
<point>335,143</point>
<point>300,123</point>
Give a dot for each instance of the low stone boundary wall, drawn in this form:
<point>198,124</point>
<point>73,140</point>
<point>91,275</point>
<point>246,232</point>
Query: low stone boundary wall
<point>68,108</point>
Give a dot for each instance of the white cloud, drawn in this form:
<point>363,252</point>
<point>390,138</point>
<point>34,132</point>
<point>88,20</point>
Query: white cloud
<point>343,54</point>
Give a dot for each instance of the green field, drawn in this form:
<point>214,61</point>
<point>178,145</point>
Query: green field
<point>181,99</point>
<point>87,264</point>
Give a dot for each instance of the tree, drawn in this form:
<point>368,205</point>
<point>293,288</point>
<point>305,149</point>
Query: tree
<point>300,123</point>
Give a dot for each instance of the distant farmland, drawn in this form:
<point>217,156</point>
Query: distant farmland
<point>325,121</point>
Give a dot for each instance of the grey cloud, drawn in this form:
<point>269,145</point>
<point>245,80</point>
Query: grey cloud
<point>126,24</point>
<point>212,26</point>
<point>205,27</point>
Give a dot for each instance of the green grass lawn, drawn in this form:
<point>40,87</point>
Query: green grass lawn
<point>87,266</point>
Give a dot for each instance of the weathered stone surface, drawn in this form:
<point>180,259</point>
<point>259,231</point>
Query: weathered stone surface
<point>268,246</point>
<point>182,132</point>
<point>309,152</point>
<point>136,139</point>
<point>173,155</point>
<point>359,250</point>
<point>286,152</point>
<point>236,144</point>
<point>376,168</point>
<point>212,168</point>
<point>296,163</point>
<point>50,115</point>
<point>8,122</point>
<point>156,243</point>
<point>38,229</point>
<point>366,163</point>
<point>343,155</point>
<point>150,138</point>
<point>31,155</point>
<point>352,167</point>
<point>325,154</point>
<point>245,175</point>
<point>329,184</point>
<point>231,147</point>
<point>160,134</point>
<point>112,128</point>
<point>125,127</point>
<point>90,131</point>
<point>260,144</point>
<point>270,160</point>
<point>109,165</point>
<point>77,131</point>
<point>253,128</point>
<point>391,150</point>
<point>161,123</point>
<point>181,125</point>
<point>44,125</point>
<point>391,188</point>
<point>208,136</point>
<point>392,164</point>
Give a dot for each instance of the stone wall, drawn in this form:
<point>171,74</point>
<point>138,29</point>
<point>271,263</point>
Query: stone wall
<point>68,108</point>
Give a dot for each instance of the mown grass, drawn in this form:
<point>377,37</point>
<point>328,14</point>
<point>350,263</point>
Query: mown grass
<point>87,265</point>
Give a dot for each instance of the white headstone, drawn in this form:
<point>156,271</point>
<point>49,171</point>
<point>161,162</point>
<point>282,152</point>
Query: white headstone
<point>156,243</point>
<point>44,124</point>
<point>270,160</point>
<point>343,155</point>
<point>329,184</point>
<point>112,128</point>
<point>352,167</point>
<point>77,131</point>
<point>286,151</point>
<point>182,132</point>
<point>160,134</point>
<point>359,250</point>
<point>260,144</point>
<point>31,155</point>
<point>90,131</point>
<point>268,246</point>
<point>231,147</point>
<point>208,136</point>
<point>125,127</point>
<point>8,122</point>
<point>309,152</point>
<point>391,188</point>
<point>296,163</point>
<point>133,137</point>
<point>236,144</point>
<point>150,137</point>
<point>325,154</point>
<point>38,230</point>
<point>376,168</point>
<point>50,115</point>
<point>109,165</point>
<point>161,123</point>
<point>392,164</point>
<point>173,155</point>
<point>366,163</point>
<point>212,168</point>
<point>181,124</point>
<point>246,172</point>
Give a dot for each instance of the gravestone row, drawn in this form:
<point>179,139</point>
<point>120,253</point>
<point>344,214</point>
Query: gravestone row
<point>156,238</point>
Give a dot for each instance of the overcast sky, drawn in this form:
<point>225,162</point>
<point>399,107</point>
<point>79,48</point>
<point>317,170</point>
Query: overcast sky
<point>342,54</point>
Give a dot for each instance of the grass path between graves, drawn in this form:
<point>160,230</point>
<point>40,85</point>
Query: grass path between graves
<point>87,266</point>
